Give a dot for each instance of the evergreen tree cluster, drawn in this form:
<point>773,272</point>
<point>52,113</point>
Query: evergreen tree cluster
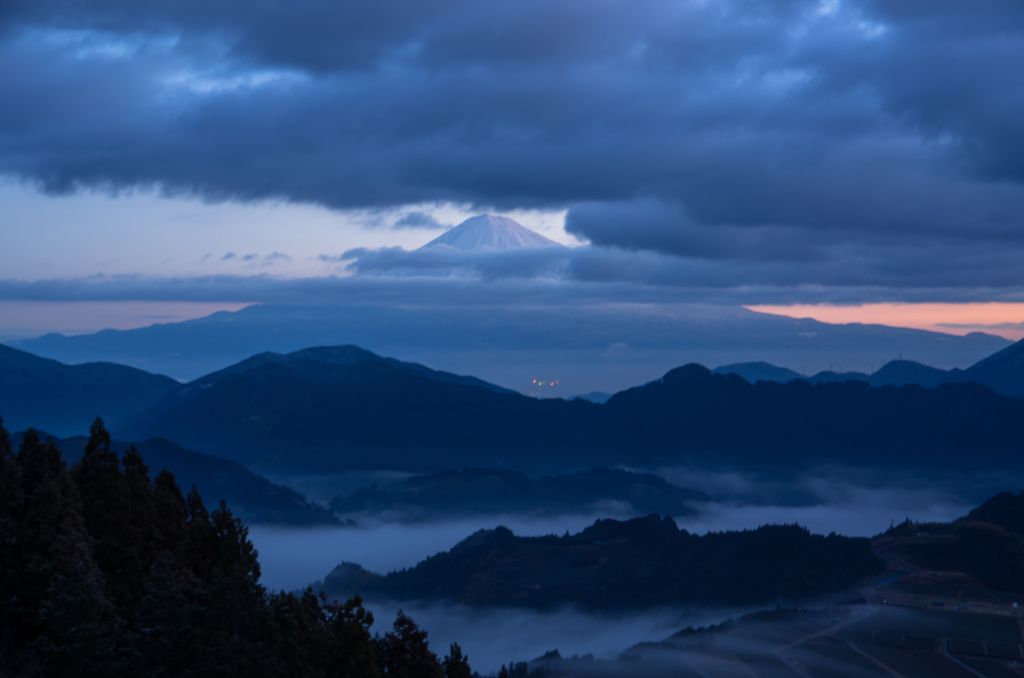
<point>104,572</point>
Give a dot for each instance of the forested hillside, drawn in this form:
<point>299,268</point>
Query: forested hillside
<point>643,563</point>
<point>312,416</point>
<point>64,399</point>
<point>104,572</point>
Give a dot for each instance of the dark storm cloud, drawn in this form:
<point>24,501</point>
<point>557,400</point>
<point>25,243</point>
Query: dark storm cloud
<point>711,262</point>
<point>419,220</point>
<point>854,143</point>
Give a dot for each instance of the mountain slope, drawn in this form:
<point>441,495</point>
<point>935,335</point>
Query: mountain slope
<point>1003,372</point>
<point>329,355</point>
<point>305,415</point>
<point>370,414</point>
<point>759,371</point>
<point>768,423</point>
<point>903,372</point>
<point>508,343</point>
<point>490,232</point>
<point>65,399</point>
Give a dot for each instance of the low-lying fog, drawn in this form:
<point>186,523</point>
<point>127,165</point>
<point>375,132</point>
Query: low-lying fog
<point>293,558</point>
<point>492,637</point>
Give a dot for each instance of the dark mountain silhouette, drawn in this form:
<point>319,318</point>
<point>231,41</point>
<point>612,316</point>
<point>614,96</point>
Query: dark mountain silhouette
<point>904,372</point>
<point>478,491</point>
<point>1003,372</point>
<point>571,335</point>
<point>310,415</point>
<point>637,564</point>
<point>1005,510</point>
<point>893,373</point>
<point>372,414</point>
<point>759,371</point>
<point>984,549</point>
<point>256,498</point>
<point>723,419</point>
<point>65,399</point>
<point>329,355</point>
<point>340,355</point>
<point>594,397</point>
<point>830,377</point>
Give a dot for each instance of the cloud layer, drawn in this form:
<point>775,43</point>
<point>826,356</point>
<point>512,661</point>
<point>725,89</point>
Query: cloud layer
<point>836,143</point>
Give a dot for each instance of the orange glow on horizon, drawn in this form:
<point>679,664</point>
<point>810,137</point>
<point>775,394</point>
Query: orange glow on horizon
<point>1004,319</point>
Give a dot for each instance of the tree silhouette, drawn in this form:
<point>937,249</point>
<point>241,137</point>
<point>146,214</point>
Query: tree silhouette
<point>105,573</point>
<point>456,665</point>
<point>404,652</point>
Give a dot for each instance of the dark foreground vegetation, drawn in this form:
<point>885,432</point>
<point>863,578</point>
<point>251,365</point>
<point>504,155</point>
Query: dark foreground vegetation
<point>104,572</point>
<point>636,564</point>
<point>256,499</point>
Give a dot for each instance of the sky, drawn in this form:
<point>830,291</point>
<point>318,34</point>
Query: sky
<point>838,159</point>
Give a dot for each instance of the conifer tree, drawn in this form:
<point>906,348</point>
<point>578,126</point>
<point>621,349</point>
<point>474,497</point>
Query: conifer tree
<point>38,526</point>
<point>456,665</point>
<point>169,515</point>
<point>10,513</point>
<point>175,590</point>
<point>236,600</point>
<point>200,544</point>
<point>140,533</point>
<point>64,618</point>
<point>106,507</point>
<point>168,624</point>
<point>405,653</point>
<point>351,650</point>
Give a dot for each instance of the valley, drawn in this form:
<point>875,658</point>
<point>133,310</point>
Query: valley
<point>511,339</point>
<point>688,524</point>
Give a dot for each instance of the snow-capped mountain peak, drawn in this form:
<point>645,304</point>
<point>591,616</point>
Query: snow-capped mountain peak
<point>486,231</point>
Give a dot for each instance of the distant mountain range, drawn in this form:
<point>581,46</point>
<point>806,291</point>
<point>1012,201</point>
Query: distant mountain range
<point>255,498</point>
<point>65,399</point>
<point>300,413</point>
<point>341,408</point>
<point>894,373</point>
<point>585,345</point>
<point>1003,372</point>
<point>612,565</point>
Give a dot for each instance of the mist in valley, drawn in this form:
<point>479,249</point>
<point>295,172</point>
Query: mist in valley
<point>291,558</point>
<point>843,501</point>
<point>294,558</point>
<point>830,505</point>
<point>492,637</point>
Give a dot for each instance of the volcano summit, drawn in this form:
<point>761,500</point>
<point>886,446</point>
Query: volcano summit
<point>489,232</point>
